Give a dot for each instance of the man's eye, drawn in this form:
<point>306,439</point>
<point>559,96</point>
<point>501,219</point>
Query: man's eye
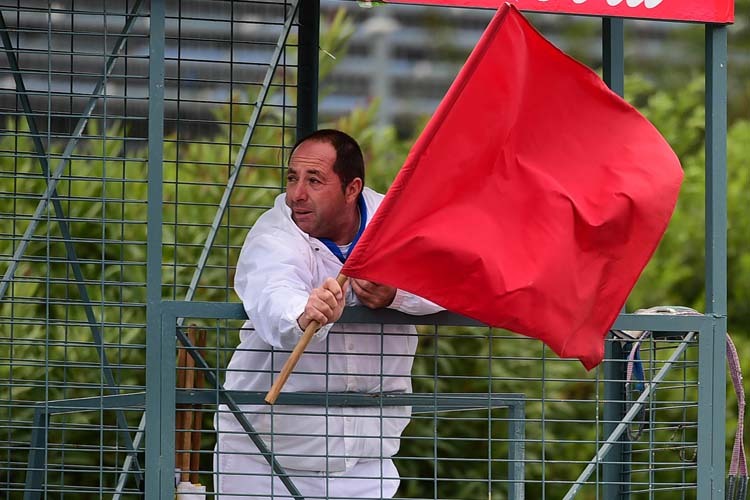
<point>291,178</point>
<point>314,181</point>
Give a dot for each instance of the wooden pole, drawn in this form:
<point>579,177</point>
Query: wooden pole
<point>187,436</point>
<point>291,362</point>
<point>195,457</point>
<point>180,416</point>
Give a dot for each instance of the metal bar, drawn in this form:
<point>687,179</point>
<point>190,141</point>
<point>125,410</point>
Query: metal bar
<point>420,402</point>
<point>57,206</point>
<point>712,350</point>
<point>614,469</point>
<point>604,450</point>
<point>660,324</point>
<point>613,54</point>
<point>711,418</point>
<point>118,401</point>
<point>153,414</point>
<point>308,67</point>
<point>35,470</point>
<point>166,424</point>
<point>716,170</point>
<point>53,180</point>
<point>170,331</point>
<point>516,451</point>
<point>232,181</point>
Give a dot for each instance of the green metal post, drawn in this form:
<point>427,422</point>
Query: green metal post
<point>613,54</point>
<point>154,453</point>
<point>36,470</point>
<point>716,175</point>
<point>307,78</point>
<point>516,450</point>
<point>712,346</point>
<point>168,393</point>
<point>614,471</point>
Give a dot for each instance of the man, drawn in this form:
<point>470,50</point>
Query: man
<point>285,278</point>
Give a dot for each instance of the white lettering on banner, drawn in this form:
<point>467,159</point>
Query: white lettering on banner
<point>649,4</point>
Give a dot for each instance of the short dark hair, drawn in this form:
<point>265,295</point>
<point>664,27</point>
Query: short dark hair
<point>350,162</point>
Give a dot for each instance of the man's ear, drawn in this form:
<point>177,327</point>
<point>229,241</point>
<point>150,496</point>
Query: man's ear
<point>353,189</point>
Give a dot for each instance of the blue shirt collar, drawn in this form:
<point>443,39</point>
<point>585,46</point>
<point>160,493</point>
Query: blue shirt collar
<point>334,248</point>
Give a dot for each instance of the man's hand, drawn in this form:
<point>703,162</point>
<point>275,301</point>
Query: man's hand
<point>372,294</point>
<point>324,305</point>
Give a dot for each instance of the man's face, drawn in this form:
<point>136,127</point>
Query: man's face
<point>313,191</point>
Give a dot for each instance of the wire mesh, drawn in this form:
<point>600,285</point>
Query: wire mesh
<point>74,100</point>
<point>230,80</point>
<point>73,256</point>
<point>493,415</point>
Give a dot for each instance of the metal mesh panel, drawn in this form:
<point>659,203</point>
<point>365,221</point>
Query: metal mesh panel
<point>230,88</point>
<point>73,177</point>
<point>663,434</point>
<point>74,100</point>
<point>493,415</point>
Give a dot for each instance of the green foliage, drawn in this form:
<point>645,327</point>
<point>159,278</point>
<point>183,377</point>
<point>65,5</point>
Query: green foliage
<point>676,273</point>
<point>334,38</point>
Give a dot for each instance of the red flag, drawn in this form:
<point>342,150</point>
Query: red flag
<point>532,200</point>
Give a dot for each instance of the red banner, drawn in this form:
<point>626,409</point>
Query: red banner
<point>712,11</point>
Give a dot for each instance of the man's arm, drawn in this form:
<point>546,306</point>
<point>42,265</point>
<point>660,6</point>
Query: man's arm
<point>374,296</point>
<point>274,282</point>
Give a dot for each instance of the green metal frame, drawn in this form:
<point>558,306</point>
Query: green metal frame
<point>307,79</point>
<point>164,318</point>
<point>712,353</point>
<point>614,469</point>
<point>154,465</point>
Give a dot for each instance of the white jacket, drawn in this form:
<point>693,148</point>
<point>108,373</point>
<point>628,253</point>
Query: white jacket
<point>279,265</point>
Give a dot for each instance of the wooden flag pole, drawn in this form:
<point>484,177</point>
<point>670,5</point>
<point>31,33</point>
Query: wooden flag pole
<point>180,417</point>
<point>291,362</point>
<point>187,436</point>
<point>195,447</point>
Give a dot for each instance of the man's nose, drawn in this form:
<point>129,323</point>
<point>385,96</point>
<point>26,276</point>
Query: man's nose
<point>298,191</point>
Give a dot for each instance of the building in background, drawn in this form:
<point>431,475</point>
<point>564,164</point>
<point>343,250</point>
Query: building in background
<point>405,56</point>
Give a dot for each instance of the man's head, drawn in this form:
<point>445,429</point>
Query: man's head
<point>324,179</point>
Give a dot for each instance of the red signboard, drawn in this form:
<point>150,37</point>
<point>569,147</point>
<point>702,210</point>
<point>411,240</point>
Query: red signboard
<point>707,11</point>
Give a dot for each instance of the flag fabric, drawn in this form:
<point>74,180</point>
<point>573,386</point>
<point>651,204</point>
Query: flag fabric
<point>532,200</point>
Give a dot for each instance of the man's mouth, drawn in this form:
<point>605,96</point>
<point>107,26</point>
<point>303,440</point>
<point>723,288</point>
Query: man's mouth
<point>302,213</point>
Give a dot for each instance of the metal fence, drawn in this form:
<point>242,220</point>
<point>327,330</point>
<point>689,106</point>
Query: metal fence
<point>122,219</point>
